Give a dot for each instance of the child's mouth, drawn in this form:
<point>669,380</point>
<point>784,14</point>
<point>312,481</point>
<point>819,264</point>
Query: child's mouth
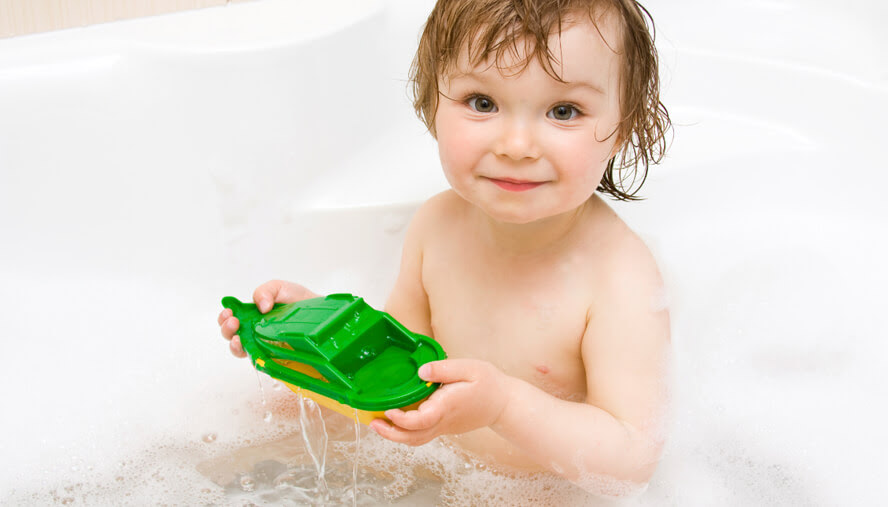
<point>515,185</point>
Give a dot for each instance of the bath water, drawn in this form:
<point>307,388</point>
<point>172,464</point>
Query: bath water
<point>384,473</point>
<point>357,453</point>
<point>314,435</point>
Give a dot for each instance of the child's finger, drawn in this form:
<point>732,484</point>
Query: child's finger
<point>415,419</point>
<point>226,312</point>
<point>235,346</point>
<point>230,327</point>
<point>383,429</point>
<point>396,434</point>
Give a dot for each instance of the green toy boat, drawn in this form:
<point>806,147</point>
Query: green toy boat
<point>339,351</point>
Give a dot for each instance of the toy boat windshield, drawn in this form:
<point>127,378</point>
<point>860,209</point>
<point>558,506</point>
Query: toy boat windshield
<point>341,350</point>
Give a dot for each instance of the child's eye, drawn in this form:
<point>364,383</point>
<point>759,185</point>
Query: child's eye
<point>563,112</point>
<point>481,104</point>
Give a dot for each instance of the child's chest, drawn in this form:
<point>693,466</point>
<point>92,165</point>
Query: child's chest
<point>527,322</point>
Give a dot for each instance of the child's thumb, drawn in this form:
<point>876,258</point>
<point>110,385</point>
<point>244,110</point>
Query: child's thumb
<point>264,304</point>
<point>266,294</point>
<point>425,371</point>
<point>447,370</point>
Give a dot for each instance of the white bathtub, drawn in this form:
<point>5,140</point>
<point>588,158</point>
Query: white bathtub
<point>150,167</point>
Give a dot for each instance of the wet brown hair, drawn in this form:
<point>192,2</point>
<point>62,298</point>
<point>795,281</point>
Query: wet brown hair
<point>494,28</point>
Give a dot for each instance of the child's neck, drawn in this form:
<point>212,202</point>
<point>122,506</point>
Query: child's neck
<point>535,238</point>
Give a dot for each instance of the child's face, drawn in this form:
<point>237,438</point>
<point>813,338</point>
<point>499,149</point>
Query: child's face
<point>523,147</point>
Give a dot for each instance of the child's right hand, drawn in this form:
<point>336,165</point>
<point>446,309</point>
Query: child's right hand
<point>265,296</point>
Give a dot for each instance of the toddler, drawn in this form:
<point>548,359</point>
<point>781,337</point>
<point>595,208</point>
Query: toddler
<point>549,307</point>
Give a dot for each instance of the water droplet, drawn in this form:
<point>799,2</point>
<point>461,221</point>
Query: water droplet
<point>277,386</point>
<point>209,438</point>
<point>67,500</point>
<point>355,461</point>
<point>285,479</point>
<point>267,417</point>
<point>247,483</point>
<point>119,478</point>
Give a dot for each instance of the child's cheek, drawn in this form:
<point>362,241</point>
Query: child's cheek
<point>457,148</point>
<point>579,158</point>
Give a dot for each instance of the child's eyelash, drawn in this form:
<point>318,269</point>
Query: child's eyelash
<point>468,97</point>
<point>474,96</point>
<point>576,108</point>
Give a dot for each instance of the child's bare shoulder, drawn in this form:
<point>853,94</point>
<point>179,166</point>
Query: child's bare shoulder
<point>443,204</point>
<point>435,218</point>
<point>627,307</point>
<point>440,211</point>
<point>622,258</point>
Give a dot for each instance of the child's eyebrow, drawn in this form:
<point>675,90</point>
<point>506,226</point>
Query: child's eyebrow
<point>474,76</point>
<point>467,75</point>
<point>584,84</point>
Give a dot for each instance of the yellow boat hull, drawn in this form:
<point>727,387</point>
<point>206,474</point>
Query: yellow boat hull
<point>363,416</point>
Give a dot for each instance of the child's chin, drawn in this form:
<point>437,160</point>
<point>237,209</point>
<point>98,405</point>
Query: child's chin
<point>519,210</point>
<point>516,216</point>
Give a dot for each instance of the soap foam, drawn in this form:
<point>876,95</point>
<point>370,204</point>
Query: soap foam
<point>268,464</point>
<point>122,414</point>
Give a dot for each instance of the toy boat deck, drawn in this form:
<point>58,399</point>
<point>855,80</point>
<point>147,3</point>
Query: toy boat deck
<point>339,351</point>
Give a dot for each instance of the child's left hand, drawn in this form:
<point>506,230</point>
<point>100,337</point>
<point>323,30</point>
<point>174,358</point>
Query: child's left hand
<point>472,396</point>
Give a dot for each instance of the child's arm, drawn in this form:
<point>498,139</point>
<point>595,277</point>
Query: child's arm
<point>616,433</point>
<point>408,302</point>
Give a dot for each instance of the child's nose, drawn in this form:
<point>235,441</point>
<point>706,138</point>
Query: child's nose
<point>517,140</point>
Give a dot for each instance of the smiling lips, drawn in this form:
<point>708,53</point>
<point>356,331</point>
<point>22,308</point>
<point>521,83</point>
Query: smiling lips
<point>515,185</point>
